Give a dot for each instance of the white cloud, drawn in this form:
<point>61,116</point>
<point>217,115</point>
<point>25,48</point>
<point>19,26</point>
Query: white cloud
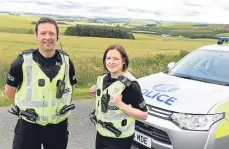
<point>212,11</point>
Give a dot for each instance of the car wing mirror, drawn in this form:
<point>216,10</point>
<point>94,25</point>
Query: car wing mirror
<point>171,65</point>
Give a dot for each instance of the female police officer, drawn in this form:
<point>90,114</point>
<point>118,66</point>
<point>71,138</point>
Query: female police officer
<point>119,101</point>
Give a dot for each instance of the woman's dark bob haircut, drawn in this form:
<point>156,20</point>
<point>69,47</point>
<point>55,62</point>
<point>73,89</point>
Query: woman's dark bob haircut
<point>123,53</point>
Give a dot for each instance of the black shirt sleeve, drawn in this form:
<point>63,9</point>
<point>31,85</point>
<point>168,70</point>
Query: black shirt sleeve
<point>15,74</point>
<point>132,95</point>
<point>72,74</point>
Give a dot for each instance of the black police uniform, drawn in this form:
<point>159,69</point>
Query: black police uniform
<point>131,95</point>
<point>29,135</point>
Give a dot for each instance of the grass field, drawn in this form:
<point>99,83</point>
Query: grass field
<point>148,53</point>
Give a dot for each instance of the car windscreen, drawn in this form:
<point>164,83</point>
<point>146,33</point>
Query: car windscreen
<point>204,65</point>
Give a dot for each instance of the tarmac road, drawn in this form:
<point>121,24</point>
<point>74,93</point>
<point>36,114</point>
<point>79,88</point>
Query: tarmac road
<point>82,130</point>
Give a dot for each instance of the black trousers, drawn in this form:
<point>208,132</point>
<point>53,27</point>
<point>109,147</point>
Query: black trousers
<point>32,136</point>
<point>113,143</point>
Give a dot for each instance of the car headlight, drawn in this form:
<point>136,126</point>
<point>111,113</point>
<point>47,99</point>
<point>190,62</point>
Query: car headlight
<point>195,122</point>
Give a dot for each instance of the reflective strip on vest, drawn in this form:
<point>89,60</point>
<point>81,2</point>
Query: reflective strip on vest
<point>42,119</point>
<point>45,118</point>
<point>63,101</point>
<point>66,95</point>
<point>115,116</point>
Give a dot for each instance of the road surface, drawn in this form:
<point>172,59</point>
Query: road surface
<point>82,130</point>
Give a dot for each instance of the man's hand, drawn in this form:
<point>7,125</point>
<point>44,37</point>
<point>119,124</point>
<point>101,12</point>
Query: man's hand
<point>92,90</point>
<point>10,91</point>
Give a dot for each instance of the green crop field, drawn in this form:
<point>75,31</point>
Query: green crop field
<point>148,53</point>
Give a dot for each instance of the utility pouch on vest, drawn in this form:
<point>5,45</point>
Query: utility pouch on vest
<point>104,102</point>
<point>93,117</point>
<point>106,125</point>
<point>66,108</point>
<point>60,89</point>
<point>110,127</point>
<point>30,114</point>
<point>14,110</point>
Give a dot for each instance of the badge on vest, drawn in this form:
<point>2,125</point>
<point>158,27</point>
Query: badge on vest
<point>113,107</point>
<point>41,82</point>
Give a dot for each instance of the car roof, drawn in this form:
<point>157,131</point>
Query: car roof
<point>215,47</point>
<point>220,46</point>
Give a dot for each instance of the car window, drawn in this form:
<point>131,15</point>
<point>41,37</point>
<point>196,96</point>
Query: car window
<point>220,67</point>
<point>208,65</point>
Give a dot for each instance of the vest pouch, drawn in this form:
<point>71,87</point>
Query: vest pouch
<point>30,114</point>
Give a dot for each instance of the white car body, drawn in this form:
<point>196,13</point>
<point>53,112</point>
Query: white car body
<point>187,113</point>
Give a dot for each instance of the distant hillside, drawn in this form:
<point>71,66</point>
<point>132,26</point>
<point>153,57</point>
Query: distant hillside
<point>24,23</point>
<point>191,30</point>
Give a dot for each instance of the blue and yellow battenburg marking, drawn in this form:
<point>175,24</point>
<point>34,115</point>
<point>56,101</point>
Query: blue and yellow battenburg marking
<point>223,128</point>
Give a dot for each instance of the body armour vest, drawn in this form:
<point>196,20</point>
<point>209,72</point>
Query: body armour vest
<point>39,93</point>
<point>115,116</point>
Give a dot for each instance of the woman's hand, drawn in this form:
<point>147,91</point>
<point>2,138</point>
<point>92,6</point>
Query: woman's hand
<point>116,99</point>
<point>92,90</point>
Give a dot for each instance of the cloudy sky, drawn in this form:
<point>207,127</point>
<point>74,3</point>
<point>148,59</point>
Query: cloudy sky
<point>211,11</point>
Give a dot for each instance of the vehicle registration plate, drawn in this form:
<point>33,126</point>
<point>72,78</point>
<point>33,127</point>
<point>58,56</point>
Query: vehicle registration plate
<point>142,139</point>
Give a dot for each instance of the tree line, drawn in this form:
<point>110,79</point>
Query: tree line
<point>98,31</point>
<point>210,33</point>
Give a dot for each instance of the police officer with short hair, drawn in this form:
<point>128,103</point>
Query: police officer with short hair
<point>119,102</point>
<point>41,81</point>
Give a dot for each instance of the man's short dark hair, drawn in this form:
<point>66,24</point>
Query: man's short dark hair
<point>46,20</point>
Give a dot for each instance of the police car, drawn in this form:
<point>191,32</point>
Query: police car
<point>188,104</point>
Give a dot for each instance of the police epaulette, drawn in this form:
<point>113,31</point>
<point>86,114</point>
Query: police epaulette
<point>62,52</point>
<point>27,51</point>
<point>125,81</point>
